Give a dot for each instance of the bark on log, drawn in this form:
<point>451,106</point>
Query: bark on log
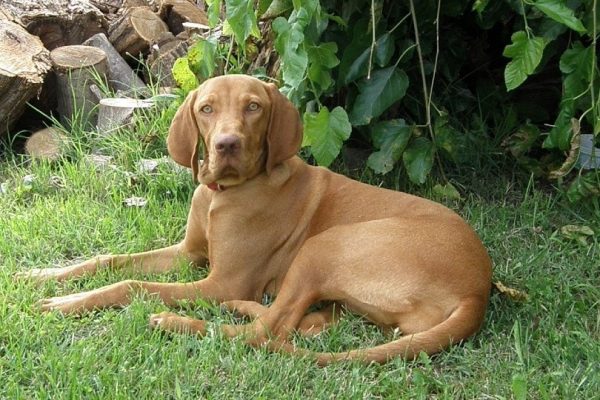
<point>152,4</point>
<point>77,69</point>
<point>176,12</point>
<point>108,6</point>
<point>115,113</point>
<point>24,63</point>
<point>120,74</point>
<point>135,31</point>
<point>56,22</point>
<point>162,57</point>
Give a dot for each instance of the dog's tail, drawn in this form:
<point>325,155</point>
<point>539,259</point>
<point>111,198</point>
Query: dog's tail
<point>463,322</point>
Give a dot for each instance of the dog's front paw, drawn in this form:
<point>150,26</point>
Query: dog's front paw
<point>40,275</point>
<point>70,304</point>
<point>171,322</point>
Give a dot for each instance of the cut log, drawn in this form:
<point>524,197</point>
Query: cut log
<point>162,57</point>
<point>120,74</point>
<point>176,12</point>
<point>46,144</point>
<point>24,63</point>
<point>56,22</point>
<point>108,6</point>
<point>77,69</point>
<point>116,113</point>
<point>152,4</point>
<point>135,31</point>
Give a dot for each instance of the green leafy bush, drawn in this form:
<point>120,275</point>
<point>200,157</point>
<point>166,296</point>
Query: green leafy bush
<point>418,81</point>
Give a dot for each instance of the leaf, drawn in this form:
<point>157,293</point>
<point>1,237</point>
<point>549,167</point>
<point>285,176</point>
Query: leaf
<point>480,5</point>
<point>390,137</point>
<point>578,233</point>
<point>584,186</point>
<point>511,293</point>
<point>213,12</point>
<point>377,94</point>
<point>576,63</point>
<point>569,163</point>
<point>325,132</point>
<point>383,52</point>
<point>135,202</point>
<point>277,8</point>
<point>183,75</point>
<point>418,159</point>
<point>449,140</point>
<point>201,57</point>
<point>522,141</point>
<point>447,191</point>
<point>560,12</point>
<point>526,53</point>
<point>242,20</point>
<point>322,59</point>
<point>289,44</point>
<point>4,188</point>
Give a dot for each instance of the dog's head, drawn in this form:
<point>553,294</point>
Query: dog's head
<point>246,126</point>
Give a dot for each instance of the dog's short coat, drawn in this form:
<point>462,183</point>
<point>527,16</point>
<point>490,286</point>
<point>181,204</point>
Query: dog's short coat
<point>269,223</point>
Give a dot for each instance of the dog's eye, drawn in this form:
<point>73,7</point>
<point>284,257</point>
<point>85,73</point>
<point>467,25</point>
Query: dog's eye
<point>253,106</point>
<point>206,109</point>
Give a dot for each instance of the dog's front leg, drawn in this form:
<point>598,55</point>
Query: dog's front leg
<point>155,261</point>
<point>122,293</point>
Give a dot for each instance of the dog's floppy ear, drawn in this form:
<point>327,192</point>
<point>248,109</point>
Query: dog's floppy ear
<point>284,134</point>
<point>184,134</point>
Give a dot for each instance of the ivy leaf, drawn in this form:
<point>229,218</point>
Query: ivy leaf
<point>213,12</point>
<point>377,94</point>
<point>277,8</point>
<point>325,132</point>
<point>383,52</point>
<point>322,59</point>
<point>526,53</point>
<point>584,186</point>
<point>390,137</point>
<point>418,159</point>
<point>183,75</point>
<point>576,63</point>
<point>202,56</point>
<point>571,159</point>
<point>288,44</point>
<point>447,191</point>
<point>242,20</point>
<point>560,12</point>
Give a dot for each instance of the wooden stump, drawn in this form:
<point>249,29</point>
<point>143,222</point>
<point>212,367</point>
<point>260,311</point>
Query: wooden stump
<point>120,74</point>
<point>135,31</point>
<point>176,12</point>
<point>46,144</point>
<point>77,69</point>
<point>163,56</point>
<point>24,63</point>
<point>56,22</point>
<point>116,113</point>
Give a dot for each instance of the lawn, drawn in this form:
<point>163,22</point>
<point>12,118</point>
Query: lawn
<point>55,213</point>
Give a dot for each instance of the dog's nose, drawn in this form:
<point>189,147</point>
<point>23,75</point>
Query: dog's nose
<point>227,144</point>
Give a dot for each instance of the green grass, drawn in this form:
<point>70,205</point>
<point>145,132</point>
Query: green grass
<point>546,347</point>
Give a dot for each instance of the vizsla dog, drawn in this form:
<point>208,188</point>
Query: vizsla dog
<point>269,223</point>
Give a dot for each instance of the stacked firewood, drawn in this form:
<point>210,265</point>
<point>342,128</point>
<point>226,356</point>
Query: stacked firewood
<point>64,55</point>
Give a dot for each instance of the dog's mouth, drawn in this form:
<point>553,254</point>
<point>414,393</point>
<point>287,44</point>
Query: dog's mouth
<point>224,175</point>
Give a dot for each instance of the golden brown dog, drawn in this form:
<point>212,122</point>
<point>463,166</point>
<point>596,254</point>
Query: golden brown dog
<point>269,223</point>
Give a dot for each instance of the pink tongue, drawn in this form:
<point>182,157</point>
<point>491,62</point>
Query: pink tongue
<point>214,186</point>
